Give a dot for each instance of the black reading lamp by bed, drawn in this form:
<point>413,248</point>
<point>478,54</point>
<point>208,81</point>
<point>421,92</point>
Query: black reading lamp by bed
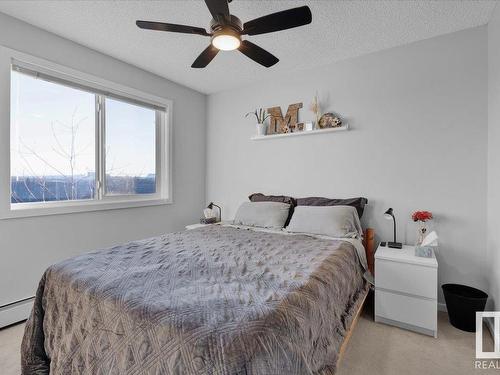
<point>389,214</point>
<point>211,206</point>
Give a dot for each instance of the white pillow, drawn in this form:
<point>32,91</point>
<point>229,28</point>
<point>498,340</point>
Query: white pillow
<point>333,221</point>
<point>262,214</point>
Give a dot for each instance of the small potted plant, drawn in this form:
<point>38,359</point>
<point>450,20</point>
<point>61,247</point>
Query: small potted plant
<point>261,116</point>
<point>421,217</point>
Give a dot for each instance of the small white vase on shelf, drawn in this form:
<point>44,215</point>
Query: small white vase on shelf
<point>261,129</point>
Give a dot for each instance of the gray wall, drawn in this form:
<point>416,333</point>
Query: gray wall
<point>494,156</point>
<point>418,141</point>
<point>29,245</point>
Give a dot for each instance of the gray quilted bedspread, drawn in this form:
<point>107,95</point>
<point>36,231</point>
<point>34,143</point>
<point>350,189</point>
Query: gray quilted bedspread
<point>215,300</point>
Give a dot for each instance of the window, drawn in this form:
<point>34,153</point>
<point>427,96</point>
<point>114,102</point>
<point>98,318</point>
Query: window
<point>78,145</point>
<point>52,141</point>
<point>130,148</point>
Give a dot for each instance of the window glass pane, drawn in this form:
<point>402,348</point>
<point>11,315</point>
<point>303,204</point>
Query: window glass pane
<point>52,141</point>
<point>130,148</point>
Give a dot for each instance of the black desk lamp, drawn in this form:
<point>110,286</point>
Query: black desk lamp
<point>388,215</point>
<point>211,206</point>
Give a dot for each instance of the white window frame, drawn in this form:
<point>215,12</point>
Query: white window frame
<point>101,200</point>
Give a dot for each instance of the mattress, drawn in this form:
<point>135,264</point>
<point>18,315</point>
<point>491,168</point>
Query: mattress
<point>214,300</point>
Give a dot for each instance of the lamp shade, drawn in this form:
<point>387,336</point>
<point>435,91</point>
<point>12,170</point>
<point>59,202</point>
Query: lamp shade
<point>389,214</point>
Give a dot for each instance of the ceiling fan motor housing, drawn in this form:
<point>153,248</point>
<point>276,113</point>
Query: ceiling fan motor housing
<point>233,23</point>
<point>226,36</point>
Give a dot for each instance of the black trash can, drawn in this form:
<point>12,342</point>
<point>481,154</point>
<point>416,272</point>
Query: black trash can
<point>462,303</point>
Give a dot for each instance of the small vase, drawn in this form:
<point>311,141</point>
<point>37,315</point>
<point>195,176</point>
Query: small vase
<point>261,129</point>
<point>421,233</point>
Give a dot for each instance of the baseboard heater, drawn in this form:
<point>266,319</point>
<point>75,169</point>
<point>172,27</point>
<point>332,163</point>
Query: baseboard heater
<point>16,311</point>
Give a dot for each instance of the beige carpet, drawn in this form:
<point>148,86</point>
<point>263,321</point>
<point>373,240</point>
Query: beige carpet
<point>10,344</point>
<point>374,349</point>
<point>379,349</point>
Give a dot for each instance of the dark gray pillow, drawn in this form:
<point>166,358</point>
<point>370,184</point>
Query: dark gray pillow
<point>358,203</point>
<point>262,214</point>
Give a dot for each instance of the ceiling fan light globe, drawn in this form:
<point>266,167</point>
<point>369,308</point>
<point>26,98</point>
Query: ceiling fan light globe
<point>226,42</point>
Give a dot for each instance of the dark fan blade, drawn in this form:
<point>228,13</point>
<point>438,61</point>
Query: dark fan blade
<point>219,9</point>
<point>286,19</point>
<point>160,26</point>
<point>205,57</point>
<point>257,54</point>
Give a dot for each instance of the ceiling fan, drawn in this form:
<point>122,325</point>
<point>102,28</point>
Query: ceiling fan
<point>227,29</point>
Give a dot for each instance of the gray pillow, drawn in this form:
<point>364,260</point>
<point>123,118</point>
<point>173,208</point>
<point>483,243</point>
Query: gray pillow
<point>358,203</point>
<point>262,214</point>
<point>333,221</point>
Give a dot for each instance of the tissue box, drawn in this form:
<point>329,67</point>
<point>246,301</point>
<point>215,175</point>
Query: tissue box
<point>424,251</point>
<point>208,220</point>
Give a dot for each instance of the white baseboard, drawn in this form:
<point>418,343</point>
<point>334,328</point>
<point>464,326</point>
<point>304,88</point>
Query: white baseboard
<point>442,307</point>
<point>15,312</point>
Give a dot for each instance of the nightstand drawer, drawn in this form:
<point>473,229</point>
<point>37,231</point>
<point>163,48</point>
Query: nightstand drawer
<point>406,278</point>
<point>413,311</point>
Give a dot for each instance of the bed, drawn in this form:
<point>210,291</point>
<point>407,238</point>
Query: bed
<point>214,300</point>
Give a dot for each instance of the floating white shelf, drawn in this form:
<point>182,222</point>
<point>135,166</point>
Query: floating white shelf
<point>304,132</point>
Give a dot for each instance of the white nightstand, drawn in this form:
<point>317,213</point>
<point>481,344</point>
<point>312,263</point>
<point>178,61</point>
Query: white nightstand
<point>406,289</point>
<point>198,225</point>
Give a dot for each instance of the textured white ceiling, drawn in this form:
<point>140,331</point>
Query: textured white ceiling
<point>340,29</point>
